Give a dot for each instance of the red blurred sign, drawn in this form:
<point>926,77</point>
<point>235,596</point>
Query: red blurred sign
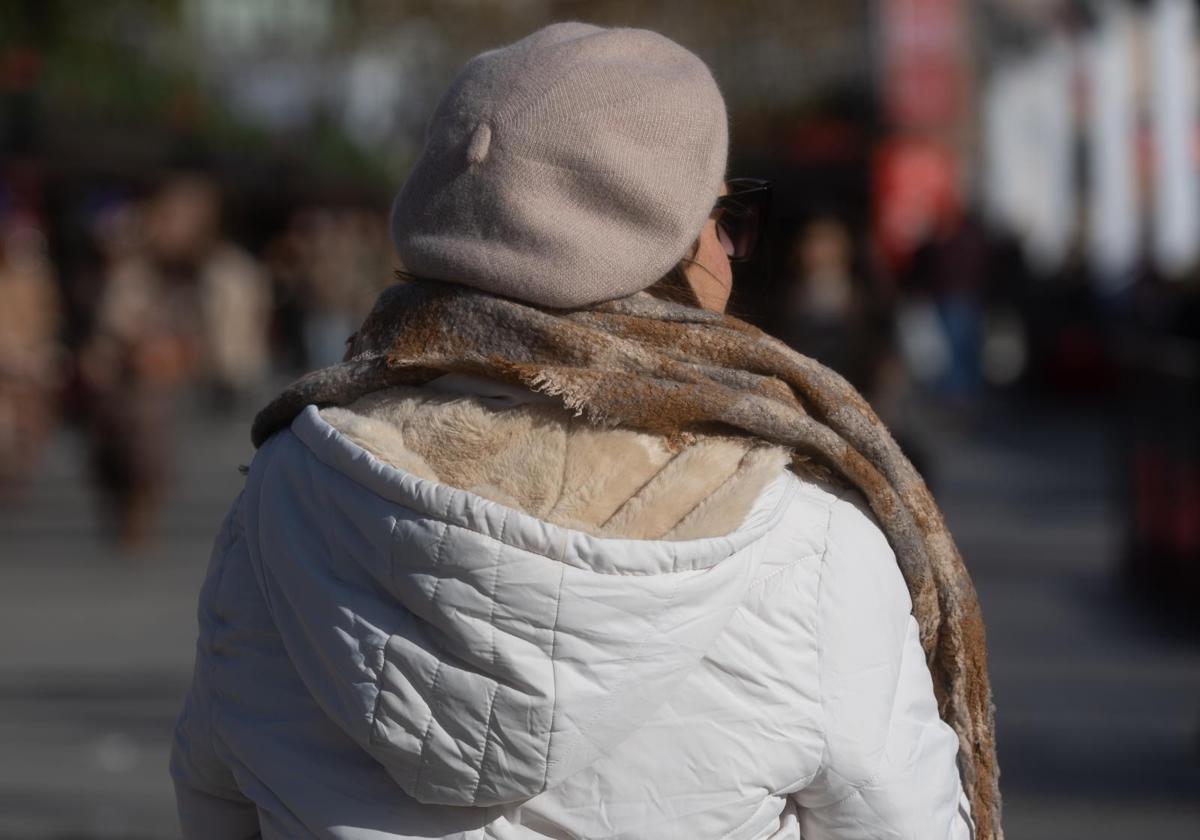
<point>924,85</point>
<point>916,193</point>
<point>924,79</point>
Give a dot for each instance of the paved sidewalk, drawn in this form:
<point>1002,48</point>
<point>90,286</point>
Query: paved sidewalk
<point>1098,701</point>
<point>96,648</point>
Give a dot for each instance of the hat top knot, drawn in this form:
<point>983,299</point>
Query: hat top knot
<point>481,141</point>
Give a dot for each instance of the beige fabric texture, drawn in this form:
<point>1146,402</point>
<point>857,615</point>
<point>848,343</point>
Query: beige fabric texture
<point>578,152</point>
<point>544,461</point>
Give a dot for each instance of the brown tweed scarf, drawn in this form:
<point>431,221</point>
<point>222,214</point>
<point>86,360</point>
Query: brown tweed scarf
<point>655,366</point>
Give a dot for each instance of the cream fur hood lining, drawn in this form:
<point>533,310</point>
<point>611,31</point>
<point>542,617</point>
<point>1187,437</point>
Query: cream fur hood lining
<point>541,460</point>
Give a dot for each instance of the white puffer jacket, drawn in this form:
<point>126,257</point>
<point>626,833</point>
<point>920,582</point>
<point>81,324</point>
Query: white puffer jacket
<point>382,655</point>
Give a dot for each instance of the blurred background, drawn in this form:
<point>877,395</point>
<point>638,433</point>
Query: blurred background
<point>987,216</point>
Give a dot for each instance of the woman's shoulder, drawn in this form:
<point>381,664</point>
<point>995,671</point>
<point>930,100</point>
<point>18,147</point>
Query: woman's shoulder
<point>861,596</point>
<point>828,515</point>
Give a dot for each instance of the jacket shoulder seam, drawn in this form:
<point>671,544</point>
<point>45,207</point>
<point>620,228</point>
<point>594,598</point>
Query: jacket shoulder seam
<point>562,576</point>
<point>821,566</point>
<point>874,776</point>
<point>437,553</point>
<point>487,726</point>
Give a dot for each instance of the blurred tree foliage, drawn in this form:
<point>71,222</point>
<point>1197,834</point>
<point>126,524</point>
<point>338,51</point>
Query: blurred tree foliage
<point>342,88</point>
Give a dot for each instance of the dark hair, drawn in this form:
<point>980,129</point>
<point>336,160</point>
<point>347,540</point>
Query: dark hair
<point>674,287</point>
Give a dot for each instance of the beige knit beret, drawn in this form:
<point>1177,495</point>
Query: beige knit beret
<point>574,166</point>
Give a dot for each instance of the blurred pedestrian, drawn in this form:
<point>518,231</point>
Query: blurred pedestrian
<point>31,353</point>
<point>951,271</point>
<point>330,263</point>
<point>143,345</point>
<point>540,567</point>
<point>188,249</point>
<point>833,311</point>
<point>829,311</point>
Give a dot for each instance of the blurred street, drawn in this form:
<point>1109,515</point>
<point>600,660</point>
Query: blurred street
<point>1099,704</point>
<point>96,646</point>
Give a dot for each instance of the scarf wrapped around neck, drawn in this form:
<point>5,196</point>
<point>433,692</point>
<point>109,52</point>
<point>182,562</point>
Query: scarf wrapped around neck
<point>661,367</point>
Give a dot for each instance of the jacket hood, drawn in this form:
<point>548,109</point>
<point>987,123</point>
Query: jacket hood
<point>480,654</point>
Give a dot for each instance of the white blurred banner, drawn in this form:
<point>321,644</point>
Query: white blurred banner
<point>1176,242</point>
<point>1029,185</point>
<point>1114,225</point>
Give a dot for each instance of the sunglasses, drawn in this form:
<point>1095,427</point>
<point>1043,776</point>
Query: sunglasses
<point>741,216</point>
